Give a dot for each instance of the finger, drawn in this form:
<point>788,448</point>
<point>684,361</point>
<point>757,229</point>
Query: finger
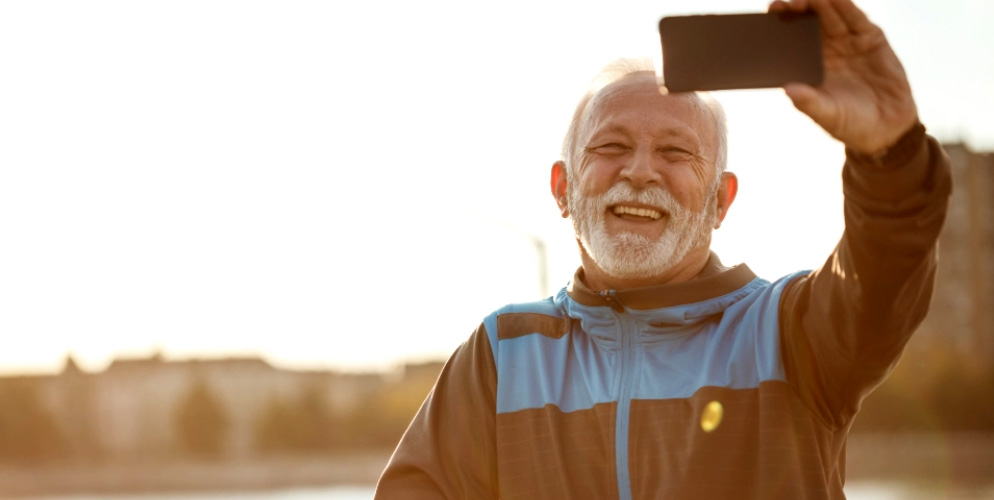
<point>831,22</point>
<point>797,5</point>
<point>778,6</point>
<point>853,16</point>
<point>808,100</point>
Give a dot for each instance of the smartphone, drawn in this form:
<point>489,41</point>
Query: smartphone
<point>740,51</point>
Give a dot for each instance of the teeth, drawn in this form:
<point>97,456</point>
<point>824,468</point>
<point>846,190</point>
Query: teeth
<point>641,212</point>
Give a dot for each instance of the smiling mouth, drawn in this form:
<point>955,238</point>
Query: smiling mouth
<point>626,212</point>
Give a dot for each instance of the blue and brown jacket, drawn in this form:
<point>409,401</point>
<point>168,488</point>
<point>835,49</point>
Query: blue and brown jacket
<point>726,386</point>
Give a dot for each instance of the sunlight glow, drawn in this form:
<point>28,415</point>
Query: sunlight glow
<point>331,184</point>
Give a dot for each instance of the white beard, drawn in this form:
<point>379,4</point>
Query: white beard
<point>632,255</point>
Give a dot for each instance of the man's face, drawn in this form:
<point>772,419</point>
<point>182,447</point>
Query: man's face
<point>643,193</point>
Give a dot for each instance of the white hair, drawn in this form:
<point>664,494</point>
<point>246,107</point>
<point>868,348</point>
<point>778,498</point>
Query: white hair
<point>625,68</point>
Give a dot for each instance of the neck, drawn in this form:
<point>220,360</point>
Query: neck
<point>691,267</point>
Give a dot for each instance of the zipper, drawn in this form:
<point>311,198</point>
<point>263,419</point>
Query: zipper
<point>624,397</point>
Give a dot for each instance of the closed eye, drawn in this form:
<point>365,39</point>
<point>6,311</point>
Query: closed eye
<point>674,153</point>
<point>610,148</point>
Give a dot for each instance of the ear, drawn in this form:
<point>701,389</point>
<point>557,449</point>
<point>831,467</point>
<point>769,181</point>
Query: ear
<point>726,195</point>
<point>558,184</point>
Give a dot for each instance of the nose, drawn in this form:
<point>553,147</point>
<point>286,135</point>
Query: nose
<point>641,169</point>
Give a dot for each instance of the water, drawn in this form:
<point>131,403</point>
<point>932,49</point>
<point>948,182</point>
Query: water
<point>869,490</point>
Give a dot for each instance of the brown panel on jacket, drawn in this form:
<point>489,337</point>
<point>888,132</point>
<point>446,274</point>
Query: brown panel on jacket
<point>766,446</point>
<point>514,325</point>
<point>557,455</point>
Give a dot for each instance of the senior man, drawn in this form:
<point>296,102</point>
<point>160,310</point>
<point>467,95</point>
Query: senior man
<point>660,373</point>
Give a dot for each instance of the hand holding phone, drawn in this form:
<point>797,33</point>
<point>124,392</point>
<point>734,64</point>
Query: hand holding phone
<point>865,101</point>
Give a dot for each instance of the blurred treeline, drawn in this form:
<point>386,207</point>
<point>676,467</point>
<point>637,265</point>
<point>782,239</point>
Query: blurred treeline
<point>928,392</point>
<point>202,425</point>
<point>307,425</point>
<point>935,390</point>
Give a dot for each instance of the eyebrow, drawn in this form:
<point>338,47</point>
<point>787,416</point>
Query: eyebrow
<point>680,132</point>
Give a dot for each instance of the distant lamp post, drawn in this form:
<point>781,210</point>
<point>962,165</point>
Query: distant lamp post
<point>541,252</point>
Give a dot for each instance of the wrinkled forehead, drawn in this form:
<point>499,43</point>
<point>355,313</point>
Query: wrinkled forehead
<point>643,85</point>
<point>635,83</point>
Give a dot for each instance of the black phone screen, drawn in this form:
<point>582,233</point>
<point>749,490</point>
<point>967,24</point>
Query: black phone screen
<point>740,51</point>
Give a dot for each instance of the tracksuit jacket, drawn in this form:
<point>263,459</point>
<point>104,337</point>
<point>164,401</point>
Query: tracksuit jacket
<point>725,386</point>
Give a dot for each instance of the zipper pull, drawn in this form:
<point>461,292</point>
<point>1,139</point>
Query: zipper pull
<point>608,296</point>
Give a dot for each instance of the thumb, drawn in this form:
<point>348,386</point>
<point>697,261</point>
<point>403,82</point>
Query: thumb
<point>808,101</point>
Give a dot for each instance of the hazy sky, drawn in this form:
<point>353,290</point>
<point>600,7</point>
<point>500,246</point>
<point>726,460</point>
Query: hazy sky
<point>351,184</point>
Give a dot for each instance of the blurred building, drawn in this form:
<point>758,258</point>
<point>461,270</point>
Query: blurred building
<point>132,410</point>
<point>961,319</point>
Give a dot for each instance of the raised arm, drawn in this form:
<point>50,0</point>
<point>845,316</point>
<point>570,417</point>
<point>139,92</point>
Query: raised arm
<point>844,326</point>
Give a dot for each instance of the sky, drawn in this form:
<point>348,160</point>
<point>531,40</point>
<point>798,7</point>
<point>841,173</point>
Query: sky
<point>352,185</point>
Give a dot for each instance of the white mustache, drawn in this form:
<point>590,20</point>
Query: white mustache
<point>622,193</point>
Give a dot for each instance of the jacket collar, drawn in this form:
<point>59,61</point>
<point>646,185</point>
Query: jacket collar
<point>715,280</point>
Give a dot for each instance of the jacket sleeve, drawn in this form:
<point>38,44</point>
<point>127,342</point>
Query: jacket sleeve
<point>844,326</point>
<point>449,449</point>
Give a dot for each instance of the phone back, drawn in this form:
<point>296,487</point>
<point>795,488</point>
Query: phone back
<point>740,51</point>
